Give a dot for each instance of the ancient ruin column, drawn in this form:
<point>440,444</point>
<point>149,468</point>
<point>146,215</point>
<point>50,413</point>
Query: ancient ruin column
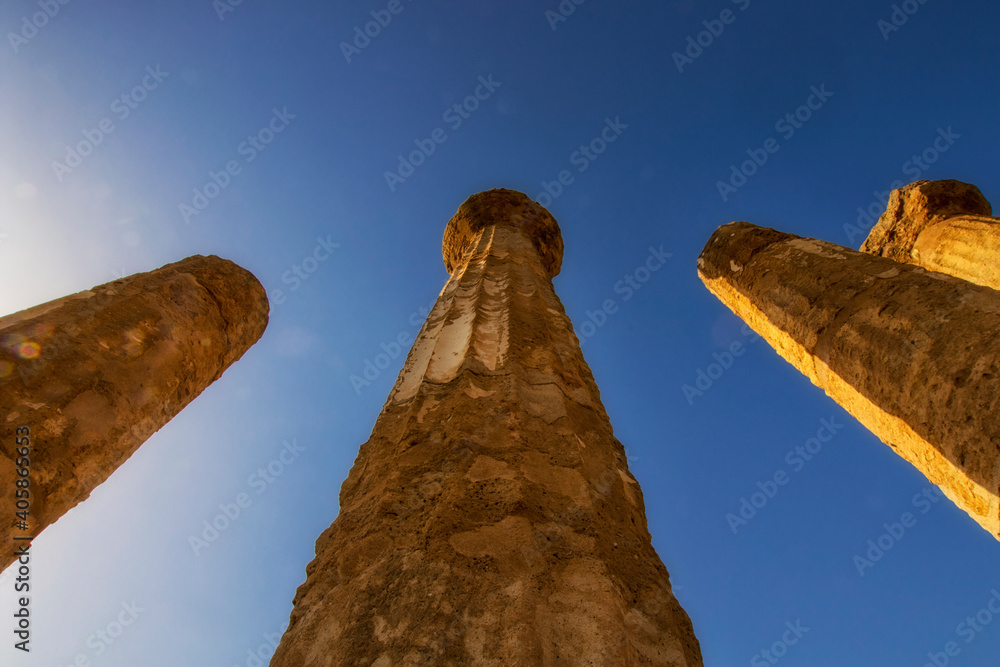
<point>491,518</point>
<point>912,354</point>
<point>942,226</point>
<point>94,374</point>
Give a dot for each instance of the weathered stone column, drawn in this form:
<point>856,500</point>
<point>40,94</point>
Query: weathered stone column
<point>94,374</point>
<point>491,518</point>
<point>913,355</point>
<point>942,226</point>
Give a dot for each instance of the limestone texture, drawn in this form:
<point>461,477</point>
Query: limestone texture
<point>942,226</point>
<point>94,374</point>
<point>491,518</point>
<point>912,354</point>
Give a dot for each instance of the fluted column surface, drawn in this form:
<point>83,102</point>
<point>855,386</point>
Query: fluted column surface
<point>491,518</point>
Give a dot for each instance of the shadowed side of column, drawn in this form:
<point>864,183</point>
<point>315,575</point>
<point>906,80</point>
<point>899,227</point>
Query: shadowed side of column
<point>912,354</point>
<point>491,518</point>
<point>94,374</point>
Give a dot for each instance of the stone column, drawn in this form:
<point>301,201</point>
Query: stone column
<point>942,226</point>
<point>94,374</point>
<point>912,354</point>
<point>491,518</point>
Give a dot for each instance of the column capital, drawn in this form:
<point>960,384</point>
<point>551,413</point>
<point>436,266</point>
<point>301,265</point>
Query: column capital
<point>914,207</point>
<point>508,208</point>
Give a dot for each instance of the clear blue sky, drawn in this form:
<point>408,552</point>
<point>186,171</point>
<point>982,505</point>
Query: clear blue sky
<point>269,65</point>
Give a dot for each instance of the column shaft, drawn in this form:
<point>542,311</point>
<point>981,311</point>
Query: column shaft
<point>912,354</point>
<point>491,518</point>
<point>94,374</point>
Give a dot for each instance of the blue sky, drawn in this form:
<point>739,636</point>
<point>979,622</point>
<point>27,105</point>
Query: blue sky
<point>318,188</point>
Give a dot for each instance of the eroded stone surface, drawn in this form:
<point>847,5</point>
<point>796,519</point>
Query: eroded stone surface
<point>942,226</point>
<point>912,354</point>
<point>94,374</point>
<point>491,518</point>
<point>914,207</point>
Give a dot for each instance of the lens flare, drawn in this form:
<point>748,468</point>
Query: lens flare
<point>29,350</point>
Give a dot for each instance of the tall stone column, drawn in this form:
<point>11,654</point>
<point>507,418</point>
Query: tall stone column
<point>94,374</point>
<point>912,354</point>
<point>491,518</point>
<point>942,226</point>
